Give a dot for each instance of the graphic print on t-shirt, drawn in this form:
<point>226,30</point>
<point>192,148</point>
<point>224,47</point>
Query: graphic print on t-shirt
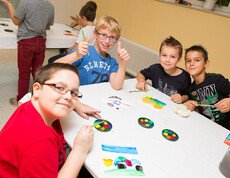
<point>165,88</point>
<point>208,95</point>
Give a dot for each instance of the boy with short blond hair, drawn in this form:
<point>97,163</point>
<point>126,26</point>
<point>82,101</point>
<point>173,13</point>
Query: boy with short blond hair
<point>166,76</point>
<point>209,94</point>
<point>95,65</point>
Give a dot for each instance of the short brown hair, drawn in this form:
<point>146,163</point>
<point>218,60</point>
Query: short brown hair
<point>46,72</point>
<point>89,12</point>
<point>109,22</point>
<point>198,48</point>
<point>172,42</point>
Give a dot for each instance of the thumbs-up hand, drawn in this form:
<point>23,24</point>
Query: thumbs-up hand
<point>82,48</point>
<point>123,55</point>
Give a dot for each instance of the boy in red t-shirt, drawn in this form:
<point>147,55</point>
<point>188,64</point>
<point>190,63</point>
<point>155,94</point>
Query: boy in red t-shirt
<point>32,141</point>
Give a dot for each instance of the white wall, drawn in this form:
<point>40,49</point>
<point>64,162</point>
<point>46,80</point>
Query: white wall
<point>65,8</point>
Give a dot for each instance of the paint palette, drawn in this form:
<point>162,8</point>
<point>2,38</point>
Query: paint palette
<point>145,122</point>
<point>4,24</point>
<point>105,126</point>
<point>170,135</point>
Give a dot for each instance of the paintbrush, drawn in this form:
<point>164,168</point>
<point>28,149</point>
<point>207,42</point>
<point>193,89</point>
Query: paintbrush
<point>97,124</point>
<point>84,38</point>
<point>94,125</point>
<point>208,105</point>
<point>136,91</point>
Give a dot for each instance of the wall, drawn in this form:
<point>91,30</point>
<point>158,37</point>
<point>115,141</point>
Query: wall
<point>148,22</point>
<point>64,9</point>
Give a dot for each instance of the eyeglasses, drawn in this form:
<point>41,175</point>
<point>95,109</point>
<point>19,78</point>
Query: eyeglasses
<point>63,90</point>
<point>104,37</point>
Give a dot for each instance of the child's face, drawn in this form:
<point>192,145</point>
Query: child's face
<point>52,104</point>
<point>105,39</point>
<point>169,57</point>
<point>195,63</point>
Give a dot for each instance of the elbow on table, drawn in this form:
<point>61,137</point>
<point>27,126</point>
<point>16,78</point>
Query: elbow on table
<point>116,87</point>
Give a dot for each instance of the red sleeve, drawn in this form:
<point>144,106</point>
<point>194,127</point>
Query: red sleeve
<point>40,160</point>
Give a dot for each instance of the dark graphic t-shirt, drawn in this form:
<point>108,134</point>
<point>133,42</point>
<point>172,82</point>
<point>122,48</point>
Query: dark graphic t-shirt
<point>165,83</point>
<point>213,89</point>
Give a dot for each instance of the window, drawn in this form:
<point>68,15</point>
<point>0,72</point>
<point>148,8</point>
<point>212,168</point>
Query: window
<point>198,4</point>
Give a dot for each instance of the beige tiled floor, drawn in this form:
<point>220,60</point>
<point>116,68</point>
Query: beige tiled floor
<point>9,80</point>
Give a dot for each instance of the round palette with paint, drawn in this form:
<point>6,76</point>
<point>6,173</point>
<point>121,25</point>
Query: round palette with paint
<point>104,126</point>
<point>145,122</point>
<point>170,135</point>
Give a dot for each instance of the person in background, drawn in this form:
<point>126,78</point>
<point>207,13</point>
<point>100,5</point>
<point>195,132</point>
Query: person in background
<point>95,65</point>
<point>166,76</point>
<point>87,15</point>
<point>33,17</point>
<point>32,141</point>
<point>209,94</point>
<point>77,20</point>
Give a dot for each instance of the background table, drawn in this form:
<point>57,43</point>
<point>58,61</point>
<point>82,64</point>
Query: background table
<point>55,36</point>
<point>196,154</point>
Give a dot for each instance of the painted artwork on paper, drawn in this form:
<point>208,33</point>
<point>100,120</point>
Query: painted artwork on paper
<point>117,103</point>
<point>121,161</point>
<point>156,103</point>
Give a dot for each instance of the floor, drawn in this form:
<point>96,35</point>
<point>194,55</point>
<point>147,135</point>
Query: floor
<point>9,80</point>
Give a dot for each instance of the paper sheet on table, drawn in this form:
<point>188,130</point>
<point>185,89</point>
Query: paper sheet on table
<point>119,160</point>
<point>117,103</point>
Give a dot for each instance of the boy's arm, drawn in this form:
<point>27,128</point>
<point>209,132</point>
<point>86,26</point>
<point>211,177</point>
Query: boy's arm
<point>177,98</point>
<point>84,111</point>
<point>117,78</point>
<point>82,145</point>
<point>72,47</point>
<point>141,84</point>
<point>81,51</point>
<point>191,105</point>
<point>15,20</point>
<point>223,105</point>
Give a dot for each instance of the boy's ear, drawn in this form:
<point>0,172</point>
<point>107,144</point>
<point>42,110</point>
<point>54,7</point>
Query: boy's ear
<point>179,59</point>
<point>206,64</point>
<point>95,34</point>
<point>36,89</point>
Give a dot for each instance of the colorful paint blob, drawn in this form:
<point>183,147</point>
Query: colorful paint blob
<point>145,122</point>
<point>104,126</point>
<point>108,162</point>
<point>4,24</point>
<point>156,103</point>
<point>69,34</point>
<point>170,135</point>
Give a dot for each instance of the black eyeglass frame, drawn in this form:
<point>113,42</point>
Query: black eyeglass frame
<point>79,95</point>
<point>105,37</point>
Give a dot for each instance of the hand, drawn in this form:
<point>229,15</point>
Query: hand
<point>76,19</point>
<point>123,55</point>
<point>5,2</point>
<point>84,110</point>
<point>176,98</point>
<point>191,105</point>
<point>223,105</point>
<point>84,140</point>
<point>83,48</point>
<point>142,86</point>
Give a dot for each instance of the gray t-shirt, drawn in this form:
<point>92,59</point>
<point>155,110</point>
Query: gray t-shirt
<point>36,15</point>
